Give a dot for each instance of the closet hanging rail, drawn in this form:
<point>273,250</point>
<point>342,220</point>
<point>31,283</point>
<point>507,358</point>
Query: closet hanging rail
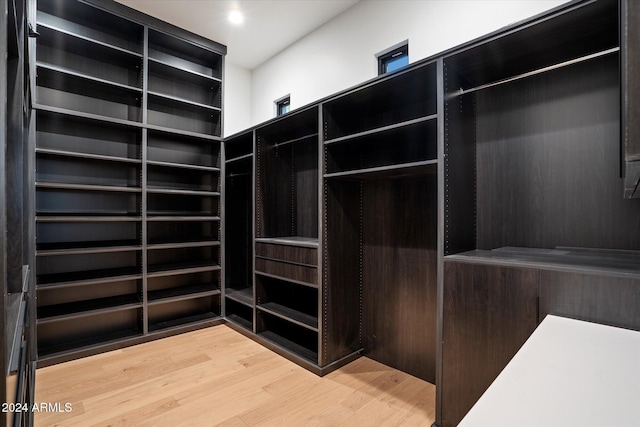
<point>461,91</point>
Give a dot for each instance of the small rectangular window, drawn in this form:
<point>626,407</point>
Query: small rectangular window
<point>393,60</point>
<point>283,105</point>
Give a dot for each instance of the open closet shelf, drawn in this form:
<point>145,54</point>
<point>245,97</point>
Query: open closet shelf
<point>183,166</point>
<point>74,310</point>
<point>583,260</point>
<point>290,314</point>
<point>306,242</point>
<point>182,293</point>
<point>61,153</point>
<point>242,296</point>
<point>101,246</point>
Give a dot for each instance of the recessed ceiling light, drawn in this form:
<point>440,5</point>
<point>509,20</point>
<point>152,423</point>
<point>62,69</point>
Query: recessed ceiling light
<point>236,17</point>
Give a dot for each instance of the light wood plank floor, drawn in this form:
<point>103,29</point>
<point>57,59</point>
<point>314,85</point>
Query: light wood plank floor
<point>218,377</point>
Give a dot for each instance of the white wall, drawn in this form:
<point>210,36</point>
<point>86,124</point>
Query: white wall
<point>237,98</point>
<point>341,53</point>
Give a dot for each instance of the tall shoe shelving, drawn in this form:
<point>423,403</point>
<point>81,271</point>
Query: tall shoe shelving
<point>128,178</point>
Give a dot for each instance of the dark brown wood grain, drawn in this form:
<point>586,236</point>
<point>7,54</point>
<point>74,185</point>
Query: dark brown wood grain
<point>548,162</point>
<point>602,299</point>
<point>489,312</point>
<point>294,254</point>
<point>287,271</point>
<point>399,273</point>
<point>342,287</point>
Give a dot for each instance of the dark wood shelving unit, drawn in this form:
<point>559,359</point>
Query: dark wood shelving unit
<point>428,218</point>
<point>128,185</point>
<point>286,273</point>
<point>380,224</point>
<point>532,170</point>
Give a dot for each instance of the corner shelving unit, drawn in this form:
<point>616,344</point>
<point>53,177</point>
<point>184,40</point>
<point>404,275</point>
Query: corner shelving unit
<point>286,242</point>
<point>128,178</point>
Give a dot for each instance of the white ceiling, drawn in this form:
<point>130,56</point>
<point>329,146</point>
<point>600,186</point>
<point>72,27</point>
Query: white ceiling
<point>268,28</point>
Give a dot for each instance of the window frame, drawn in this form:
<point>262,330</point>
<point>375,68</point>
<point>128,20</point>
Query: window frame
<point>281,103</point>
<point>384,57</point>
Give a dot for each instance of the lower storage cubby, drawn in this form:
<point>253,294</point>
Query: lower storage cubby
<point>170,314</point>
<point>239,314</point>
<point>183,286</point>
<point>298,340</point>
<point>71,334</point>
<point>292,302</point>
<point>182,259</point>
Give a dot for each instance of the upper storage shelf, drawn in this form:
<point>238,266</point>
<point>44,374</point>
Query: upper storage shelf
<point>90,23</point>
<point>287,176</point>
<point>402,97</point>
<point>579,32</point>
<point>185,56</point>
<point>58,48</point>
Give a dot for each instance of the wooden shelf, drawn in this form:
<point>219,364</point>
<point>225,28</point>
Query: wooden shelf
<point>81,187</point>
<point>383,129</point>
<point>242,296</point>
<point>240,321</point>
<point>86,247</point>
<point>66,347</point>
<point>75,74</point>
<point>183,55</point>
<point>78,309</point>
<point>182,192</point>
<point>91,23</point>
<point>305,242</point>
<point>181,322</point>
<point>99,97</point>
<point>176,294</point>
<point>290,346</point>
<point>62,153</point>
<point>185,70</point>
<point>180,268</point>
<point>578,260</point>
<point>182,166</point>
<point>393,171</point>
<point>183,244</point>
<point>167,218</point>
<point>91,277</point>
<point>291,315</point>
<point>239,158</point>
<point>86,115</point>
<point>399,98</point>
<point>57,217</point>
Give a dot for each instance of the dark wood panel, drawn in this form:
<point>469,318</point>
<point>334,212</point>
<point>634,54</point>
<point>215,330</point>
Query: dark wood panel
<point>630,58</point>
<point>489,312</point>
<point>295,254</point>
<point>460,180</point>
<point>399,273</point>
<point>613,301</point>
<point>287,271</point>
<point>548,162</point>
<point>342,289</point>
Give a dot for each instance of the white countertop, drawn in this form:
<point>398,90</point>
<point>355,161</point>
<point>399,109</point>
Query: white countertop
<point>568,373</point>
